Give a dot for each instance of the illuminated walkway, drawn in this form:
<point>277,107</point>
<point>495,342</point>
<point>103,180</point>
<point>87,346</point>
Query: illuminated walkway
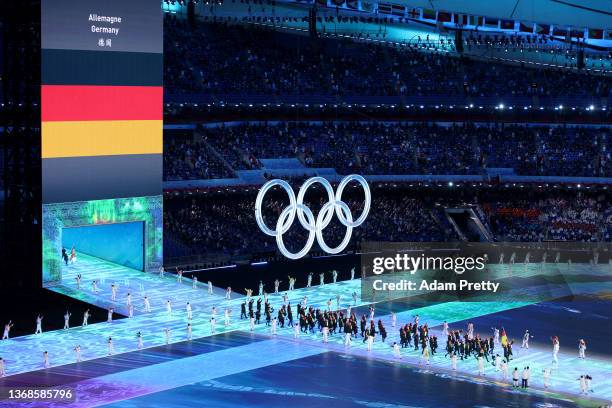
<point>24,354</point>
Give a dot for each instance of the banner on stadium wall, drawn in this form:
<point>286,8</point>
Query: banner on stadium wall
<point>429,14</point>
<point>543,29</point>
<point>577,33</point>
<point>352,4</point>
<point>595,33</point>
<point>475,20</point>
<point>414,13</point>
<point>392,9</point>
<point>559,31</point>
<point>398,10</point>
<point>506,24</point>
<point>525,27</point>
<point>461,19</point>
<point>491,22</point>
<point>444,17</point>
<point>367,5</point>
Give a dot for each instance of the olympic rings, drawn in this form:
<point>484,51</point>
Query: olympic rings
<point>307,219</point>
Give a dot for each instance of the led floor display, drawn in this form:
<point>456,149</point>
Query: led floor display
<point>24,354</point>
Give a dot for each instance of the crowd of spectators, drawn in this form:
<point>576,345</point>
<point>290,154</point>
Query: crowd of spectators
<point>225,59</point>
<point>394,148</point>
<point>224,222</point>
<point>188,157</point>
<point>559,218</point>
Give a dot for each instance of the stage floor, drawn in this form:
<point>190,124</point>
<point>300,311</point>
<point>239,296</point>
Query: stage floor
<point>234,351</point>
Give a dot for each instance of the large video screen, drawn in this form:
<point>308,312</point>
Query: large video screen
<point>101,107</point>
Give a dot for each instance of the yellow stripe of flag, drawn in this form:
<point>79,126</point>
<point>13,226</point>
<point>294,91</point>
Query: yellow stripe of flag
<point>101,138</point>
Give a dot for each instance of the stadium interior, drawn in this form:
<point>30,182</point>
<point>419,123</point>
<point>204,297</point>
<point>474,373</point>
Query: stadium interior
<point>490,130</point>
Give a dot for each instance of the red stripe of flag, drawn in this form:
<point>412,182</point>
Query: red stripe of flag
<point>85,102</point>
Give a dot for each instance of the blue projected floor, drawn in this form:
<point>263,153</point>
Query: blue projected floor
<point>335,380</point>
<point>238,366</point>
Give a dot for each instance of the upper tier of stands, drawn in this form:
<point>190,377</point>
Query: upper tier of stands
<point>217,61</point>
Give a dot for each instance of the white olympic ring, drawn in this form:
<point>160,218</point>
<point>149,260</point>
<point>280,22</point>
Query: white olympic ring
<point>307,219</point>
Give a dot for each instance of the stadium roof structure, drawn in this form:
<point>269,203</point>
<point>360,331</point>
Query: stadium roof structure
<point>578,13</point>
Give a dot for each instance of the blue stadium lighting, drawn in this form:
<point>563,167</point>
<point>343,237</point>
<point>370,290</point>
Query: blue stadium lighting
<point>450,183</point>
<point>259,263</point>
